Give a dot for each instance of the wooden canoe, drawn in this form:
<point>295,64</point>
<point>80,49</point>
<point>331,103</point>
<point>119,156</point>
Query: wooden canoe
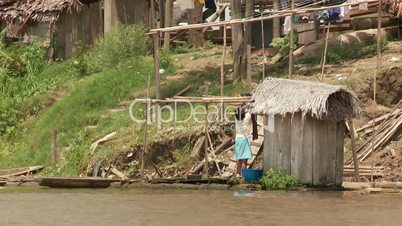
<point>76,182</point>
<point>19,171</point>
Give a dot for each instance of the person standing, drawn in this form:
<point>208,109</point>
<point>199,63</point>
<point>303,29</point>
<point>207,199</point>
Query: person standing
<point>244,129</point>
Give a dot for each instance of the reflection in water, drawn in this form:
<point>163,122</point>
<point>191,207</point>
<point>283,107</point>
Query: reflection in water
<point>179,207</point>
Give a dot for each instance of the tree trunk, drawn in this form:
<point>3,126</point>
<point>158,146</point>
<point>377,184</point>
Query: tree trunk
<point>168,22</point>
<point>238,44</point>
<point>248,41</point>
<point>276,21</point>
<point>195,36</point>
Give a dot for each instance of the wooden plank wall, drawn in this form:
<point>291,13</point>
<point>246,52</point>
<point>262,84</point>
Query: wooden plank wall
<point>312,150</point>
<point>132,12</point>
<point>84,26</point>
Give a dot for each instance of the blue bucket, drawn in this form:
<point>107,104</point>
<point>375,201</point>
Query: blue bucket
<point>251,174</point>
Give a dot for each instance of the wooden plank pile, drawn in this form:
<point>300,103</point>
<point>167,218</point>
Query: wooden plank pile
<point>365,171</point>
<point>221,159</point>
<point>380,132</point>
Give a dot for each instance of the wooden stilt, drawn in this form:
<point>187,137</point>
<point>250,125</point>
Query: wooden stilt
<point>206,165</point>
<point>354,153</point>
<point>263,46</point>
<point>378,51</point>
<point>325,52</point>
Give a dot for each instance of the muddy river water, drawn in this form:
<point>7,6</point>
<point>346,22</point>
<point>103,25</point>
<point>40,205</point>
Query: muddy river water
<point>27,206</point>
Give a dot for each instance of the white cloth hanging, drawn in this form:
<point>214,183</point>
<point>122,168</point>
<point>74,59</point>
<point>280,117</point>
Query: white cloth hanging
<point>286,25</point>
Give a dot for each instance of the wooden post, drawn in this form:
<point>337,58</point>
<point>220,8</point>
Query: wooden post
<point>378,51</point>
<point>291,41</point>
<point>195,36</point>
<point>223,71</point>
<point>276,22</point>
<point>248,40</point>
<point>168,22</point>
<point>157,74</point>
<point>354,153</point>
<point>53,146</point>
<point>263,46</point>
<point>325,52</point>
<point>238,47</point>
<point>206,165</point>
<point>153,14</point>
<point>145,145</point>
<point>223,62</point>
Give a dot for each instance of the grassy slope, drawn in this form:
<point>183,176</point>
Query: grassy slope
<point>85,103</point>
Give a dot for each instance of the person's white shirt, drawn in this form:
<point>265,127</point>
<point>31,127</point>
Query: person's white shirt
<point>244,127</point>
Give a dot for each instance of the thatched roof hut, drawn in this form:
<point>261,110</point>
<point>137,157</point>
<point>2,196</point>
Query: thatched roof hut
<point>305,130</point>
<point>63,23</point>
<point>281,96</point>
<point>36,10</point>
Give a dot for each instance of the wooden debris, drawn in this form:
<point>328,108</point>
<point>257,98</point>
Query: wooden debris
<point>19,171</point>
<point>197,149</point>
<point>118,173</point>
<point>391,123</point>
<point>364,171</point>
<point>104,139</point>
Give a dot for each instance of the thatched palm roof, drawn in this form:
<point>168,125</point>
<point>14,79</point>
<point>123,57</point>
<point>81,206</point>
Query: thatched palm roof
<point>282,96</point>
<point>36,10</point>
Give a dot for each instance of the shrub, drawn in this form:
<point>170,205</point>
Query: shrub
<point>278,180</point>
<point>166,60</point>
<point>33,57</point>
<point>119,44</point>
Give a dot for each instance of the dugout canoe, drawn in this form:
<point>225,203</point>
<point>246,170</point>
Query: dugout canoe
<point>76,182</point>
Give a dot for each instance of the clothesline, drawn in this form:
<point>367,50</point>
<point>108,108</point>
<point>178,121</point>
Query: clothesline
<point>279,14</point>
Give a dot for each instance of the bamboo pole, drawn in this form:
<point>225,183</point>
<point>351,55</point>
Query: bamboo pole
<point>206,144</point>
<point>263,46</point>
<point>223,70</point>
<point>145,146</point>
<point>223,62</point>
<point>325,52</point>
<point>291,41</point>
<point>354,153</point>
<point>378,51</point>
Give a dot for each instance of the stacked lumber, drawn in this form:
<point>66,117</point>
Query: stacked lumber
<point>221,159</point>
<point>365,171</point>
<point>379,132</point>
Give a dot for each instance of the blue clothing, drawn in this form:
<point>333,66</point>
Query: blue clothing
<point>242,148</point>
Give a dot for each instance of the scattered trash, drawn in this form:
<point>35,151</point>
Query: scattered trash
<point>394,59</point>
<point>161,71</point>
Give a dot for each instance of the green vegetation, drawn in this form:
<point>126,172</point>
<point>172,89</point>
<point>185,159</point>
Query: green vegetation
<point>278,180</point>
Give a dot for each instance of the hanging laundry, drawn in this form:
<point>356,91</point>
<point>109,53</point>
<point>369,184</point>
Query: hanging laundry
<point>330,15</point>
<point>284,4</point>
<point>210,4</point>
<point>286,25</point>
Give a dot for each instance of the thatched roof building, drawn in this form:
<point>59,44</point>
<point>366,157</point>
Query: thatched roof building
<point>36,10</point>
<point>61,24</point>
<point>319,100</point>
<point>305,130</point>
